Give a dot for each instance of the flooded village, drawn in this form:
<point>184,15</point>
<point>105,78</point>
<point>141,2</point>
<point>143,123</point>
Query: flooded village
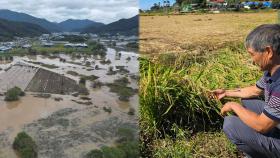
<point>79,95</point>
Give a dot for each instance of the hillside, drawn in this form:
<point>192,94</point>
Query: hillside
<point>9,29</point>
<point>22,17</point>
<point>123,26</point>
<point>78,25</point>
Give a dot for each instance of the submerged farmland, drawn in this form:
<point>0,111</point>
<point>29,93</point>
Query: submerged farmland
<point>70,106</point>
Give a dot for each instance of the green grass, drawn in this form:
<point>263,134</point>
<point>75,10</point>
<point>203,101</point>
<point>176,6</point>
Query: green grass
<point>201,145</point>
<point>175,96</point>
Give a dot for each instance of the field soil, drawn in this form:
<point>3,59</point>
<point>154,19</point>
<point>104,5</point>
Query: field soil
<point>181,33</point>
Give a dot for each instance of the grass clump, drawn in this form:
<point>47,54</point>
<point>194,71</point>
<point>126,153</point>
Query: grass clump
<point>168,96</point>
<point>82,81</point>
<point>104,62</point>
<point>230,68</point>
<point>90,78</point>
<point>73,73</point>
<point>25,146</point>
<point>107,109</point>
<point>131,111</point>
<point>175,92</point>
<point>13,94</point>
<point>121,89</point>
<point>84,78</point>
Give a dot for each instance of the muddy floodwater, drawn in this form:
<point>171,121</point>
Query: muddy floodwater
<point>68,125</point>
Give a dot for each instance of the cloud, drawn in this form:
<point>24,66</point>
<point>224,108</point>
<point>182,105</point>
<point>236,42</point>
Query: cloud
<point>106,11</point>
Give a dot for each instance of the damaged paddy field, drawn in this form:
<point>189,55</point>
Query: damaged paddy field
<point>74,103</point>
<point>184,58</point>
<point>181,33</point>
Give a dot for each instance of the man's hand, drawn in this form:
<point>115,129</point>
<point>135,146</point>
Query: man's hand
<point>228,107</point>
<point>247,92</point>
<point>259,122</point>
<point>219,93</point>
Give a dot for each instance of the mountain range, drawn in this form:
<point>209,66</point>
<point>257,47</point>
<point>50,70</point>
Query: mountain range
<point>78,25</point>
<point>9,29</point>
<point>65,26</point>
<point>123,26</point>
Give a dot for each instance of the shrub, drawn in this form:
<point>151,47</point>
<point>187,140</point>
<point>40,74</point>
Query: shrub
<point>131,149</point>
<point>111,152</point>
<point>13,94</point>
<point>25,146</point>
<point>107,109</point>
<point>125,135</point>
<point>97,48</point>
<point>82,81</point>
<point>131,111</point>
<point>95,154</point>
<point>96,67</point>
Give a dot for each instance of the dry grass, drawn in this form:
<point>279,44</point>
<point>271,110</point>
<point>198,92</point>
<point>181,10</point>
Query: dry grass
<point>159,34</point>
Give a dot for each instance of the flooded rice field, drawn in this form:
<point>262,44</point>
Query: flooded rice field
<point>69,123</point>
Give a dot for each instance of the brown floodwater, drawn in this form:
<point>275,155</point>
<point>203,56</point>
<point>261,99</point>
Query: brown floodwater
<point>15,115</point>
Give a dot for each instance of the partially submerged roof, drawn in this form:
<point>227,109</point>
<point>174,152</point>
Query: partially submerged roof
<point>35,79</point>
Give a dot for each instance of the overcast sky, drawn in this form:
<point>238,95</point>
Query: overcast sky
<point>105,11</point>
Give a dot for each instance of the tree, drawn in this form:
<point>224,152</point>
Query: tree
<point>179,1</point>
<point>233,4</point>
<point>13,94</point>
<point>155,7</point>
<point>275,4</point>
<point>25,146</point>
<point>82,81</point>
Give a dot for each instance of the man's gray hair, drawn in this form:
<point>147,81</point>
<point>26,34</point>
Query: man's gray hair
<point>264,36</point>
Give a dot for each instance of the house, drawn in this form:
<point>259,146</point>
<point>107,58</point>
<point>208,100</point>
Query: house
<point>26,46</point>
<point>5,48</point>
<point>77,45</point>
<point>47,44</point>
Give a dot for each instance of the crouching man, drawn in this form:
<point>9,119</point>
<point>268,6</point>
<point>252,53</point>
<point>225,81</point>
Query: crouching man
<point>255,128</point>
